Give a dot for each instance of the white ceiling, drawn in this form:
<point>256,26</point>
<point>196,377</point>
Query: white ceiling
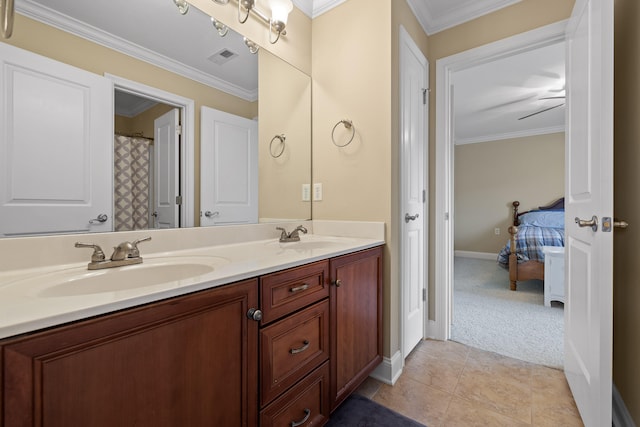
<point>487,97</point>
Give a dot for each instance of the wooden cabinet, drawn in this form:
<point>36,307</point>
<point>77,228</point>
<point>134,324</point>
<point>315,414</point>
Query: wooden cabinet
<point>188,361</point>
<point>356,320</point>
<point>294,343</point>
<point>198,360</point>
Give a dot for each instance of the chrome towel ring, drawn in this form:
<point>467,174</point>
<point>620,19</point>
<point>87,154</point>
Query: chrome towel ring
<point>280,137</point>
<point>348,124</point>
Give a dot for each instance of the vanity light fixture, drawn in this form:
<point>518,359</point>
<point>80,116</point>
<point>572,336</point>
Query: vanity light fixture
<point>280,10</point>
<point>8,8</point>
<point>182,6</point>
<point>253,47</point>
<point>220,27</point>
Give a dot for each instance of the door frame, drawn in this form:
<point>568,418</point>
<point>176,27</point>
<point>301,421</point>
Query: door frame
<point>407,43</point>
<point>444,156</point>
<point>187,153</point>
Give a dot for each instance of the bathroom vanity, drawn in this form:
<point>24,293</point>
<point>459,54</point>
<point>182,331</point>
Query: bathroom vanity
<point>284,347</point>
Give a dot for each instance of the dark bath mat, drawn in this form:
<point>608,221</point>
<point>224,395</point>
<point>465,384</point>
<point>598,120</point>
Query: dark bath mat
<point>358,411</point>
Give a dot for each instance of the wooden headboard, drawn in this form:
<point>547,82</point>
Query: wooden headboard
<point>558,204</point>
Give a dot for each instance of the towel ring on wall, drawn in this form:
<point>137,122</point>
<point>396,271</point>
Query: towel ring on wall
<point>282,138</point>
<point>348,124</point>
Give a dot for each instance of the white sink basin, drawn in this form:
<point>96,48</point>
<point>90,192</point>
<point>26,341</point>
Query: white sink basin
<point>80,281</point>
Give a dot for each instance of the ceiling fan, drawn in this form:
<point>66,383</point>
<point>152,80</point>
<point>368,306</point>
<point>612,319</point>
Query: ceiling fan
<point>546,109</point>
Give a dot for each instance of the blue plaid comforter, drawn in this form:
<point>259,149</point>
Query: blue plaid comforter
<point>529,243</point>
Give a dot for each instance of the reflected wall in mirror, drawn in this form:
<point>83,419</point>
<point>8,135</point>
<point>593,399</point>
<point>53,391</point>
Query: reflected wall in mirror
<point>285,147</point>
<point>31,35</point>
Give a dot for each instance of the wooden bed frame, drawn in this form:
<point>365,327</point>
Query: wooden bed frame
<point>529,269</point>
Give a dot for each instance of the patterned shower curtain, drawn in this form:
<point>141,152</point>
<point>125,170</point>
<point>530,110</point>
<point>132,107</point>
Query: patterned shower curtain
<point>131,183</point>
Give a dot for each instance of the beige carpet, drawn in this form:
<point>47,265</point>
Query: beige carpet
<point>489,316</point>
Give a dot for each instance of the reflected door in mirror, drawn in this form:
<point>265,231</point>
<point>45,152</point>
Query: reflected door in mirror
<point>55,137</point>
<point>228,168</point>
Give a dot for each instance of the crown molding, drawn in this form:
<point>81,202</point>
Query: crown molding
<point>510,135</point>
<point>73,26</point>
<point>466,12</point>
<point>322,6</point>
<point>306,6</point>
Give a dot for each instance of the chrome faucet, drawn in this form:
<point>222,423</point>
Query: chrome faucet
<point>126,253</point>
<point>293,236</point>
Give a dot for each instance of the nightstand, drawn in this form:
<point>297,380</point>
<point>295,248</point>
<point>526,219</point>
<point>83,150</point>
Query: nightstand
<point>553,274</point>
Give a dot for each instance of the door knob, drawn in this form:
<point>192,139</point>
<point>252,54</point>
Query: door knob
<point>100,218</point>
<point>210,214</point>
<point>593,222</point>
<point>408,217</point>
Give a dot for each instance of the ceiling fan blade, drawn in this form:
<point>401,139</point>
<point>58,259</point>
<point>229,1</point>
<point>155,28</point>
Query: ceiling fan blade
<point>541,111</point>
<point>553,97</point>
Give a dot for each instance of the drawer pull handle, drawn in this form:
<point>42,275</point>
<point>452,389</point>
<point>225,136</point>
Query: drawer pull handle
<point>299,288</point>
<point>301,349</point>
<point>307,413</point>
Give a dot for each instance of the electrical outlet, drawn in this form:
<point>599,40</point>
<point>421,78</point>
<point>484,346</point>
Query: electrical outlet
<point>496,231</point>
<point>306,192</point>
<point>317,191</point>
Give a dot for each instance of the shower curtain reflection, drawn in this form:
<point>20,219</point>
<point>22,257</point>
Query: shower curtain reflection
<point>131,183</point>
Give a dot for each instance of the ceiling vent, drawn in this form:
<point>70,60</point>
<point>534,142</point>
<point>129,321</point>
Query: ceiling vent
<point>222,56</point>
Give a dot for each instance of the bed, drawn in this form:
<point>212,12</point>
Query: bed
<point>531,230</point>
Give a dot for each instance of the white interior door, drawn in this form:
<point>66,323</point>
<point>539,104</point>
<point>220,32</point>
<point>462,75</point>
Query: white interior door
<point>414,80</point>
<point>56,147</point>
<point>166,182</point>
<point>589,193</point>
<point>228,168</point>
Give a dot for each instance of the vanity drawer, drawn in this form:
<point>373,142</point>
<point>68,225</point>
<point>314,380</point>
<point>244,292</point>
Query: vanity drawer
<point>286,291</point>
<point>308,401</point>
<point>291,348</point>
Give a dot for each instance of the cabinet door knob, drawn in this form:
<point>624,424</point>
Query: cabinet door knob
<point>337,283</point>
<point>254,314</point>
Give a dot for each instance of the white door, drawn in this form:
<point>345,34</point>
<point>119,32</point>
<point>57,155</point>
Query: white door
<point>56,147</point>
<point>166,184</point>
<point>414,80</point>
<point>228,168</point>
<point>589,193</point>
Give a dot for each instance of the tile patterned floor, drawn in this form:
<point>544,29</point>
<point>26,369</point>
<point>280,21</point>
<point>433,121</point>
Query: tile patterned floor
<point>450,384</point>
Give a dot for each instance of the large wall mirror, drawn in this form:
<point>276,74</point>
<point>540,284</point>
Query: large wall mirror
<point>217,72</point>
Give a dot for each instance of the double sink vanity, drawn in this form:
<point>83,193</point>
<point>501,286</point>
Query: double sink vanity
<point>218,326</point>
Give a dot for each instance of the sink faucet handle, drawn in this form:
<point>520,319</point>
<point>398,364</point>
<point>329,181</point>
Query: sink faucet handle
<point>135,252</point>
<point>284,233</point>
<point>98,254</point>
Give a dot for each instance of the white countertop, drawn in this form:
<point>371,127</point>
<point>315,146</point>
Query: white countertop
<point>23,309</point>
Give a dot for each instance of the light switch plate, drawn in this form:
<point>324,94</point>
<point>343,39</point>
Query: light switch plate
<point>317,191</point>
<point>306,192</point>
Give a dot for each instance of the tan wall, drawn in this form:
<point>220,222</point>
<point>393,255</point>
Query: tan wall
<point>355,77</point>
<point>518,18</point>
<point>626,243</point>
<point>351,70</point>
<point>489,176</point>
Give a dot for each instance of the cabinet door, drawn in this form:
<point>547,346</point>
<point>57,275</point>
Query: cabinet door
<point>356,320</point>
<point>186,361</point>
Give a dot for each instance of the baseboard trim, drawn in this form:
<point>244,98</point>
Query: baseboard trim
<point>432,331</point>
<point>389,370</point>
<point>620,414</point>
<point>477,255</point>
